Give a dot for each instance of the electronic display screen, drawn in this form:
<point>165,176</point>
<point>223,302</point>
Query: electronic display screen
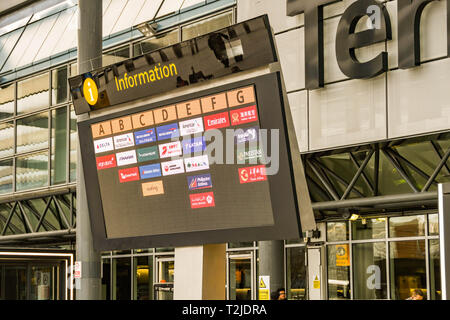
<point>207,167</point>
<point>158,174</point>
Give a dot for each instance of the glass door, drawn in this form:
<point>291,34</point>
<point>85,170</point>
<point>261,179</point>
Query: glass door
<point>163,287</point>
<point>44,282</point>
<point>240,277</point>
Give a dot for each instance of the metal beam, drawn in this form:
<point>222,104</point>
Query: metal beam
<point>365,178</point>
<point>372,201</point>
<point>357,175</point>
<point>322,180</point>
<point>436,171</point>
<point>399,169</point>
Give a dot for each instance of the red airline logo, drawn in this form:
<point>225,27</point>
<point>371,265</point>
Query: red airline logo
<point>202,200</point>
<point>252,174</point>
<point>244,115</point>
<point>106,162</point>
<point>130,174</point>
<point>216,121</point>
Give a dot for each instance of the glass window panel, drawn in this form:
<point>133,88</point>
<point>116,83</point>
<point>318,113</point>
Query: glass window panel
<point>369,271</point>
<point>7,101</point>
<point>369,229</point>
<point>154,43</point>
<point>68,39</point>
<point>294,241</point>
<point>73,145</point>
<point>128,15</point>
<point>7,42</point>
<point>240,279</point>
<point>33,94</point>
<point>296,273</point>
<point>6,139</point>
<point>232,245</point>
<point>169,7</point>
<point>166,271</point>
<point>165,249</point>
<point>106,279</point>
<point>206,26</point>
<point>32,171</point>
<point>407,268</point>
<point>20,48</point>
<point>59,145</point>
<point>143,280</point>
<point>148,11</point>
<point>59,85</point>
<point>56,33</point>
<point>187,4</point>
<point>121,279</point>
<point>32,132</point>
<point>6,176</point>
<point>115,55</point>
<point>338,272</point>
<point>433,224</point>
<point>111,15</point>
<point>435,270</point>
<point>337,231</point>
<point>409,226</point>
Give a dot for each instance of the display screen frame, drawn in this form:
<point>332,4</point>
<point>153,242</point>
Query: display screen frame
<point>270,101</point>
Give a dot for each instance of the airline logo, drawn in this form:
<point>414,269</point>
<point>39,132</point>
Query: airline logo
<point>252,174</point>
<point>202,200</point>
<point>103,145</point>
<point>152,188</point>
<point>150,171</point>
<point>194,145</point>
<point>244,115</point>
<point>202,181</point>
<point>216,121</point>
<point>170,149</point>
<point>125,158</point>
<point>145,136</point>
<point>172,167</point>
<point>124,141</point>
<point>191,126</point>
<point>246,135</point>
<point>147,154</point>
<point>106,162</point>
<point>130,174</point>
<point>254,153</point>
<point>168,131</point>
<point>196,163</point>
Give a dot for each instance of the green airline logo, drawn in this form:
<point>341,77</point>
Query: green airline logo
<point>147,154</point>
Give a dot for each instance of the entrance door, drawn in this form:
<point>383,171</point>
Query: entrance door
<point>163,286</point>
<point>45,281</point>
<point>240,277</point>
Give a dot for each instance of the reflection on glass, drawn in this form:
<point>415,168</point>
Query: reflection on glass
<point>409,226</point>
<point>73,145</point>
<point>240,279</point>
<point>154,43</point>
<point>59,145</point>
<point>15,283</point>
<point>106,279</point>
<point>6,139</point>
<point>338,272</point>
<point>121,279</point>
<point>6,176</point>
<point>337,231</point>
<point>433,224</point>
<point>32,133</point>
<point>165,278</point>
<point>32,171</point>
<point>7,101</point>
<point>166,271</point>
<point>43,282</point>
<point>407,268</point>
<point>369,271</point>
<point>59,85</point>
<point>369,229</point>
<point>143,280</point>
<point>206,26</point>
<point>32,94</point>
<point>115,56</point>
<point>296,273</point>
<point>435,270</point>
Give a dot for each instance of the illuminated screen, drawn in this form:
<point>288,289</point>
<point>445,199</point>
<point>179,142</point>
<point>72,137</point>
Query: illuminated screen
<point>180,168</point>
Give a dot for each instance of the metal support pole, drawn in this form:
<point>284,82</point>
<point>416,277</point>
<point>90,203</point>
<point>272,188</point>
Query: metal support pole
<point>444,234</point>
<point>89,57</point>
<point>271,262</point>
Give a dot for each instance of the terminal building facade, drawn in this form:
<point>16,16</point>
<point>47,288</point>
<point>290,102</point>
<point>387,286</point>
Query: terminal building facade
<point>373,150</point>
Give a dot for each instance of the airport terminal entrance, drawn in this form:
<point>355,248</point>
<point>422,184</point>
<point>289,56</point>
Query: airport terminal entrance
<point>31,276</point>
